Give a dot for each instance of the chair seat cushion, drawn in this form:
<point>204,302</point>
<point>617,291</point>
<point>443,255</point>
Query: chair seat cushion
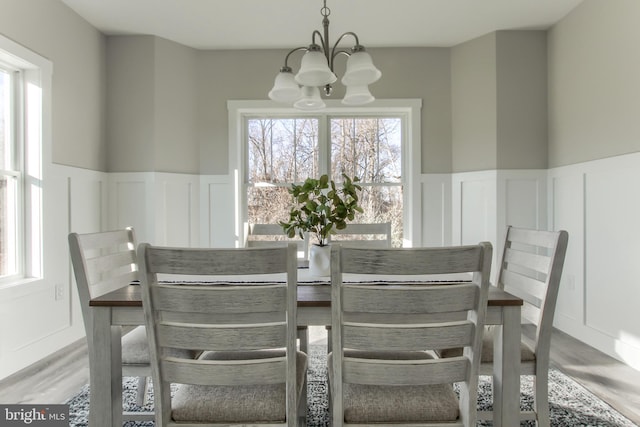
<point>236,404</point>
<point>526,352</point>
<point>135,349</point>
<point>369,404</point>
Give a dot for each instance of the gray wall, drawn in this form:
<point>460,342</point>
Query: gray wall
<point>521,75</point>
<point>77,51</point>
<point>474,105</point>
<point>199,83</point>
<point>499,102</point>
<point>594,82</point>
<point>151,105</point>
<point>130,103</point>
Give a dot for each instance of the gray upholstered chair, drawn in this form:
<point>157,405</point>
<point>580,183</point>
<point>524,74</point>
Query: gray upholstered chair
<point>250,371</point>
<point>530,268</point>
<point>379,371</point>
<point>103,262</point>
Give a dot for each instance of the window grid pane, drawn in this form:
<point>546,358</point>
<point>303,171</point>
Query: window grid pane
<point>369,148</point>
<point>282,150</point>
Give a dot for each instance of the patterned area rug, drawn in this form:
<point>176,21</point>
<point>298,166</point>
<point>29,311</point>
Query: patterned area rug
<point>570,403</point>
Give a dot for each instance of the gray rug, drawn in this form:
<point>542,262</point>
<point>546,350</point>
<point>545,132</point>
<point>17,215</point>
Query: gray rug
<point>570,403</point>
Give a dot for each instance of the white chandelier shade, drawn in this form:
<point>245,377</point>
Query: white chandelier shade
<point>310,99</point>
<point>357,95</point>
<point>360,70</point>
<point>285,88</point>
<point>316,71</point>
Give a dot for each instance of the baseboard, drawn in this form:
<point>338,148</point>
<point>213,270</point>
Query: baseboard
<point>73,351</point>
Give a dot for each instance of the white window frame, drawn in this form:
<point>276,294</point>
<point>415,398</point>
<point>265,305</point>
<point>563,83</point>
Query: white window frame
<point>409,110</point>
<point>34,143</point>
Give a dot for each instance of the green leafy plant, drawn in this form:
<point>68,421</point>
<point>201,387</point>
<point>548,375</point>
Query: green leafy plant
<point>321,208</point>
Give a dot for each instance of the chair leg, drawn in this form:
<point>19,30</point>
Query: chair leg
<point>302,405</point>
<point>142,391</point>
<point>303,336</point>
<point>541,398</point>
<point>329,346</point>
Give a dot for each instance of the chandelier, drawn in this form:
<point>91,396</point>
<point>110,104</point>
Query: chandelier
<point>316,71</point>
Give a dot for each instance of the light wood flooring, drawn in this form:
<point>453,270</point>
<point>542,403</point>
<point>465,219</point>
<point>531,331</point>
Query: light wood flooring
<point>59,376</point>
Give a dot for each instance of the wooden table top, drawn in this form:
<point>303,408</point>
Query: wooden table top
<point>316,295</point>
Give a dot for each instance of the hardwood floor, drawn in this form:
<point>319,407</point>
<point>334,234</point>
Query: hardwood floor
<point>610,380</point>
<point>59,376</point>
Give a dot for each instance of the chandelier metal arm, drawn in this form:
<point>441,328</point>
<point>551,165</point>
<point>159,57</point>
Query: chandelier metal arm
<point>334,52</point>
<point>286,67</point>
<point>348,33</point>
<point>323,43</point>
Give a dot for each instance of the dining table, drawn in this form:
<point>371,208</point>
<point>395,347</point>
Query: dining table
<point>123,308</point>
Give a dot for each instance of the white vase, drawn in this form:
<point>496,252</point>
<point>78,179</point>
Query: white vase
<point>320,260</point>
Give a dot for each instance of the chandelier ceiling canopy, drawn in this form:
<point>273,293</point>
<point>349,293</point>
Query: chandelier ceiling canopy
<point>316,71</point>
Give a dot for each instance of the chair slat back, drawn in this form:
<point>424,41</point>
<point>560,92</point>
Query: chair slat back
<point>531,264</point>
<point>102,262</point>
<point>237,318</point>
<point>422,261</point>
<point>206,262</point>
<point>407,299</point>
<point>372,235</point>
<point>405,372</point>
<point>531,269</point>
<point>377,321</point>
<point>270,235</point>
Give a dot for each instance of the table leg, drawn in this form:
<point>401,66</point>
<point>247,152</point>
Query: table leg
<point>506,369</point>
<point>105,371</point>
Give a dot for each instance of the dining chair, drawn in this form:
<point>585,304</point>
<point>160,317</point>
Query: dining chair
<point>103,262</point>
<point>379,371</point>
<point>531,268</point>
<point>268,235</point>
<point>250,371</point>
<point>371,235</point>
<point>261,235</point>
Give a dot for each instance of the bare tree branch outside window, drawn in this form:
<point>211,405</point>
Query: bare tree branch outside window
<point>286,150</point>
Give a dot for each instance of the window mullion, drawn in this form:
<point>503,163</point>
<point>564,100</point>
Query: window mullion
<point>324,145</point>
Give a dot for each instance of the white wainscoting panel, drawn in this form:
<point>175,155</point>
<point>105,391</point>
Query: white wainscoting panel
<point>435,194</point>
<point>177,207</point>
<point>474,202</point>
<point>40,316</point>
<point>218,225</point>
<point>566,193</point>
<point>598,203</point>
<point>521,202</point>
<point>132,202</point>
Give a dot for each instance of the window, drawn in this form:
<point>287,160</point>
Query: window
<point>10,175</point>
<point>276,147</point>
<point>24,84</point>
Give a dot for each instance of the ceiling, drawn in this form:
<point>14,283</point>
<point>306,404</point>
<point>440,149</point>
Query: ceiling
<point>251,24</point>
